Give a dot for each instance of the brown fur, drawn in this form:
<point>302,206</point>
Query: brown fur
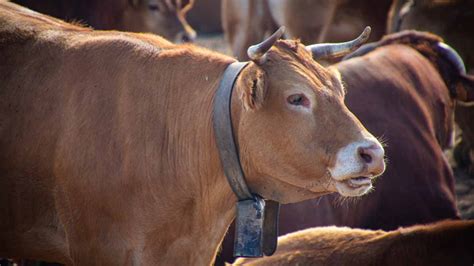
<point>168,21</point>
<point>313,21</point>
<point>446,19</point>
<point>107,152</point>
<point>425,43</point>
<point>417,125</point>
<point>399,94</point>
<point>443,243</point>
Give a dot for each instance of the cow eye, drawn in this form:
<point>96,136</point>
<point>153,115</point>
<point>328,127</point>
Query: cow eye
<point>153,7</point>
<point>298,99</point>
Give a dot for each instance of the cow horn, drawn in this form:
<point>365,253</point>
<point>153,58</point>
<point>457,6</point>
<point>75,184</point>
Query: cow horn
<point>452,56</point>
<point>334,50</point>
<point>363,50</point>
<point>257,52</point>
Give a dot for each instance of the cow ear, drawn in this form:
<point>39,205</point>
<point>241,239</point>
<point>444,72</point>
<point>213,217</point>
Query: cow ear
<point>251,88</point>
<point>465,88</point>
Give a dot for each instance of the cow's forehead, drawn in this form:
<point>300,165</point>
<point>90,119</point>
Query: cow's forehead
<point>289,57</point>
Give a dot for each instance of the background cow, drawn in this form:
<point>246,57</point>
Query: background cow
<point>107,151</point>
<point>246,22</point>
<point>401,91</point>
<point>162,17</point>
<point>443,243</point>
<point>447,19</point>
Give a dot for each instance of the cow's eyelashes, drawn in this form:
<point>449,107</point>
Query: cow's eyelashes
<point>298,100</point>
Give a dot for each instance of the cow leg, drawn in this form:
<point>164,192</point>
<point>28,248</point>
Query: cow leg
<point>234,19</point>
<point>245,23</point>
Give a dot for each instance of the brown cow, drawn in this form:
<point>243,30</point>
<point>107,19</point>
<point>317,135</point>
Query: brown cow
<point>401,92</point>
<point>107,150</point>
<point>404,91</point>
<point>247,21</point>
<point>162,17</point>
<point>447,19</point>
<point>442,243</point>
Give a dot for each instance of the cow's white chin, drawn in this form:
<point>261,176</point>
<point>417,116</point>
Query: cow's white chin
<point>353,187</point>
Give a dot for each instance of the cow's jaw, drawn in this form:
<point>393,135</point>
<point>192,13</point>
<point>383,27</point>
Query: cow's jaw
<point>352,174</point>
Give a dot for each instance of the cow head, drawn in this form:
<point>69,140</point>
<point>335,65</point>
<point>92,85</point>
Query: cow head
<point>462,84</point>
<point>463,87</point>
<point>297,139</point>
<point>162,17</point>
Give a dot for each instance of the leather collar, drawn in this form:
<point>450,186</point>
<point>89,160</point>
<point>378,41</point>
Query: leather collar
<point>224,134</point>
<point>256,229</point>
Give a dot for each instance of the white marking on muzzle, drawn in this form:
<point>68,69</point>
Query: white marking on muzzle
<point>349,163</point>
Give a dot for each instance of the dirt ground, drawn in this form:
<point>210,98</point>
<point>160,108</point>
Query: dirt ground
<point>464,183</point>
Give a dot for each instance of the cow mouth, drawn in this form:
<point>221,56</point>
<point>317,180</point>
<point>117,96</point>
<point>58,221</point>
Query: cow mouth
<point>355,186</point>
<point>357,182</point>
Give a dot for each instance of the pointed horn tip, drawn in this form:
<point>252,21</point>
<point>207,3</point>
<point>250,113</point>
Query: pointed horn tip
<point>253,52</point>
<point>278,33</point>
<point>281,31</point>
<point>453,56</point>
<point>366,33</point>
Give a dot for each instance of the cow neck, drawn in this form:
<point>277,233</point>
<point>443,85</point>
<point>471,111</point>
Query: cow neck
<point>257,220</point>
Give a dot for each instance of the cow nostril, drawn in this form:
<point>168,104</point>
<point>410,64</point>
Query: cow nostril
<point>366,156</point>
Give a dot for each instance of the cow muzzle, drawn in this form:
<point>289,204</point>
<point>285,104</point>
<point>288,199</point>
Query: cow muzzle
<point>357,164</point>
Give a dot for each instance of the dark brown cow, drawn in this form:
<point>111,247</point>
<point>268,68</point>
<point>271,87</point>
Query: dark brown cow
<point>162,17</point>
<point>442,243</point>
<point>401,91</point>
<point>108,155</point>
<point>247,21</point>
<point>448,19</point>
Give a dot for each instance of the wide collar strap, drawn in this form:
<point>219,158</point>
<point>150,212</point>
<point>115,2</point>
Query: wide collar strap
<point>256,230</point>
<point>224,134</point>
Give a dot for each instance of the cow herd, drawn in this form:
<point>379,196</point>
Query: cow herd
<point>109,156</point>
